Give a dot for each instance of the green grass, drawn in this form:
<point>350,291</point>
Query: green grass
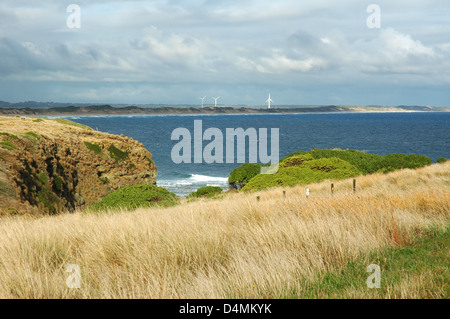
<point>58,184</point>
<point>206,191</point>
<point>8,145</point>
<point>49,199</point>
<point>136,196</point>
<point>14,137</point>
<point>37,120</point>
<point>150,162</point>
<point>117,154</point>
<point>418,270</point>
<point>94,148</point>
<point>32,137</point>
<point>43,178</point>
<point>71,123</point>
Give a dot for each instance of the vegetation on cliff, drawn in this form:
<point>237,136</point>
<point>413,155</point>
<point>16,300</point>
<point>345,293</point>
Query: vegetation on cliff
<point>311,171</point>
<point>136,196</point>
<point>50,166</point>
<point>206,191</point>
<point>305,167</point>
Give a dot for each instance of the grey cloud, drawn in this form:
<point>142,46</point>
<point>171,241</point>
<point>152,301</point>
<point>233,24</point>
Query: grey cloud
<point>254,44</point>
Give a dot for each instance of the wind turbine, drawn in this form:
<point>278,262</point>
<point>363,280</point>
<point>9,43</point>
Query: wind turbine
<point>215,100</point>
<point>203,98</point>
<point>268,101</point>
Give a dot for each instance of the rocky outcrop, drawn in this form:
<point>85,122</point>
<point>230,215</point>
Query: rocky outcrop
<point>50,166</point>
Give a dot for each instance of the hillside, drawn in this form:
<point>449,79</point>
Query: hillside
<point>43,109</point>
<point>280,246</point>
<point>48,166</point>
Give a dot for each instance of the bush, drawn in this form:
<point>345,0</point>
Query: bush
<point>117,154</point>
<point>366,163</point>
<point>295,160</point>
<point>303,167</point>
<point>132,197</point>
<point>93,147</point>
<point>442,160</point>
<point>207,191</point>
<point>242,174</point>
<point>311,171</point>
<point>394,162</point>
<point>370,163</point>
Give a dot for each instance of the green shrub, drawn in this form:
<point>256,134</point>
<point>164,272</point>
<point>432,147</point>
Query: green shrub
<point>442,160</point>
<point>117,154</point>
<point>303,167</point>
<point>43,178</point>
<point>370,163</point>
<point>132,197</point>
<point>207,191</point>
<point>37,120</point>
<point>295,160</point>
<point>366,163</point>
<point>49,199</point>
<point>242,174</point>
<point>94,148</point>
<point>58,184</point>
<point>311,171</point>
<point>394,162</point>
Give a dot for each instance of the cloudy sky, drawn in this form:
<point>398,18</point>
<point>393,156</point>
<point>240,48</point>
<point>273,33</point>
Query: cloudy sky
<point>176,51</point>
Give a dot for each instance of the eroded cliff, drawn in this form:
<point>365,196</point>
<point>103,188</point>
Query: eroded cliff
<point>50,166</point>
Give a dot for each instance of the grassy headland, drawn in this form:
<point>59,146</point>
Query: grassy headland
<point>240,247</point>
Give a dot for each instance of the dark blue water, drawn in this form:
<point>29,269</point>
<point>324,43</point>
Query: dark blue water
<point>379,133</point>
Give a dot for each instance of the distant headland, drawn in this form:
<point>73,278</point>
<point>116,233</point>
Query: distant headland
<point>66,109</point>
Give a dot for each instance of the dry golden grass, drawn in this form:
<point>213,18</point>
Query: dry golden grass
<point>235,247</point>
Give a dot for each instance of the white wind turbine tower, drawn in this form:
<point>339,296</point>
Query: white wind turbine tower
<point>215,100</point>
<point>203,98</point>
<point>268,101</point>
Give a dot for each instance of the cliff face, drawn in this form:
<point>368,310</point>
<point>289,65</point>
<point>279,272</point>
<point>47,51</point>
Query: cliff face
<point>49,166</point>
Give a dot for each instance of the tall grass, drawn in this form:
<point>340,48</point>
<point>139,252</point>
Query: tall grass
<point>235,247</point>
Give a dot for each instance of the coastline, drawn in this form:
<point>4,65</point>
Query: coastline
<point>107,110</point>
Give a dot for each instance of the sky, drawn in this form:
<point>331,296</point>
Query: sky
<point>175,52</point>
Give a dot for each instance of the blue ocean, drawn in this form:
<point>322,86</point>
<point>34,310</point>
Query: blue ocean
<point>380,133</point>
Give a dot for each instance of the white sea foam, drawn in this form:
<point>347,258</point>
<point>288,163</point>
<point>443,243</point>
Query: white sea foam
<point>185,185</point>
<point>204,178</point>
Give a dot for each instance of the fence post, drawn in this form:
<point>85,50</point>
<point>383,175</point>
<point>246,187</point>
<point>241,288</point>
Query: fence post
<point>332,189</point>
<point>354,185</point>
